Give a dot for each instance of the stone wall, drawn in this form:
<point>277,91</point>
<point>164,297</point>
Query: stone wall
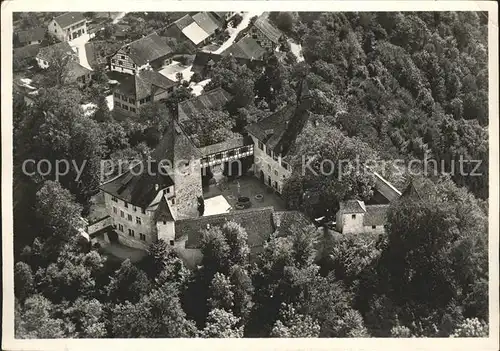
<point>187,190</point>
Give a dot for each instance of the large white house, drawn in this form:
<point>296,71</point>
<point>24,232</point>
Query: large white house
<point>68,26</point>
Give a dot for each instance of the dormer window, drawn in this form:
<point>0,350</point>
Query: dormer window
<point>353,216</point>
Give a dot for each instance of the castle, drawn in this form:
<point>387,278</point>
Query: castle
<point>162,198</point>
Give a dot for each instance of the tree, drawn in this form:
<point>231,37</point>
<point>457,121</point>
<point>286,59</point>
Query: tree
<point>156,315</point>
<point>23,280</point>
<point>221,293</point>
<point>222,324</point>
<point>330,166</point>
<point>207,127</point>
<point>128,283</point>
<point>180,94</point>
<point>35,321</point>
<point>471,327</point>
<point>154,115</point>
<point>102,113</point>
<point>57,213</point>
<point>88,318</point>
<point>437,241</point>
<point>294,325</point>
<point>285,21</point>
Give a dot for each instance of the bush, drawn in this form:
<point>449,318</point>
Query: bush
<point>236,20</point>
<point>196,77</point>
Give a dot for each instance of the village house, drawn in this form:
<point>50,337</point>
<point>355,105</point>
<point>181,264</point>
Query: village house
<point>196,29</point>
<point>354,216</point>
<point>247,48</point>
<point>265,34</point>
<point>76,73</point>
<point>68,26</point>
<point>140,88</point>
<point>213,100</point>
<point>54,52</point>
<point>204,61</point>
<point>30,36</point>
<point>151,51</point>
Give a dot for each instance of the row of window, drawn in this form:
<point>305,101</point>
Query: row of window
<point>126,204</point>
<point>125,107</point>
<point>129,216</point>
<point>275,157</point>
<point>230,153</point>
<point>124,98</point>
<point>131,232</point>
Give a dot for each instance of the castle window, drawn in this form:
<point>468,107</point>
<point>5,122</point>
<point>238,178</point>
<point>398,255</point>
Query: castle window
<point>120,63</point>
<point>269,152</point>
<point>138,220</point>
<point>269,168</point>
<point>171,243</point>
<point>143,210</point>
<point>129,217</point>
<point>353,216</point>
<point>114,199</point>
<point>135,208</point>
<point>261,146</point>
<point>125,204</point>
<point>123,57</point>
<point>131,232</point>
<point>115,210</point>
<point>164,222</point>
<point>120,227</point>
<point>374,227</point>
<point>276,173</point>
<point>132,109</point>
<point>173,201</point>
<point>122,214</point>
<point>143,237</point>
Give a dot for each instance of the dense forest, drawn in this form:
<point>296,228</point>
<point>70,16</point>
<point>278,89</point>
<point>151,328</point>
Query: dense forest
<point>384,86</point>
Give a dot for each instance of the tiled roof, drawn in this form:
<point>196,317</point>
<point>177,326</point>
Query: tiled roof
<point>33,34</point>
<point>270,31</point>
<point>164,211</point>
<point>375,215</point>
<point>279,130</point>
<point>69,18</point>
<point>213,99</point>
<point>147,49</point>
<point>207,22</point>
<point>195,33</point>
<point>352,206</point>
<point>258,224</point>
<point>76,70</point>
<point>137,186</point>
<point>202,59</point>
<point>25,52</point>
<point>47,52</point>
<point>141,84</point>
<point>175,145</point>
<point>225,145</point>
<point>246,48</point>
<point>183,22</point>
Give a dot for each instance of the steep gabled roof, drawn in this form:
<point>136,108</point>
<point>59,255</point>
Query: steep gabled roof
<point>207,22</point>
<point>183,22</point>
<point>47,52</point>
<point>352,207</point>
<point>175,145</point>
<point>147,49</point>
<point>246,48</point>
<point>270,31</point>
<point>195,33</point>
<point>138,186</point>
<point>375,215</point>
<point>69,18</point>
<point>29,51</point>
<point>76,70</point>
<point>258,224</point>
<point>213,99</point>
<point>164,212</point>
<point>279,130</point>
<point>141,84</point>
<point>32,34</point>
